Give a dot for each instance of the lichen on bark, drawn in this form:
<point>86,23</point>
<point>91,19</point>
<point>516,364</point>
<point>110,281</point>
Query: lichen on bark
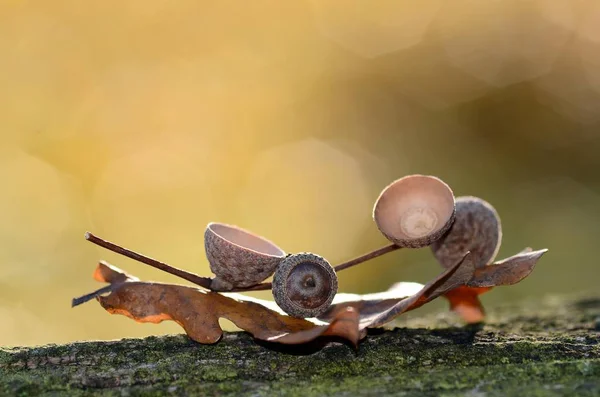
<point>549,346</point>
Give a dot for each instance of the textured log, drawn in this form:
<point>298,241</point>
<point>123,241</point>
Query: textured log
<point>545,347</point>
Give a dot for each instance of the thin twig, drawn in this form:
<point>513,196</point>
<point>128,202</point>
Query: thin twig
<point>92,295</point>
<point>206,281</point>
<point>366,257</point>
<point>191,277</point>
<point>341,266</point>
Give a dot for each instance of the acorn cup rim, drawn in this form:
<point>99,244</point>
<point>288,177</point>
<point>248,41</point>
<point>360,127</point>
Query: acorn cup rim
<point>430,237</point>
<point>212,225</point>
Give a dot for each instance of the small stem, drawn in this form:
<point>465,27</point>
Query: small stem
<point>205,281</point>
<point>92,295</point>
<point>366,257</point>
<point>191,277</point>
<point>341,266</point>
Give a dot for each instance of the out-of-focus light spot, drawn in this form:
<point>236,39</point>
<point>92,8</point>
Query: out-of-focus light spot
<point>500,42</point>
<point>569,92</point>
<point>371,30</point>
<point>43,68</point>
<point>562,13</point>
<point>559,203</point>
<point>20,326</point>
<point>589,27</point>
<point>424,74</point>
<point>143,122</point>
<point>307,196</point>
<point>34,211</point>
<point>170,89</point>
<point>590,60</point>
<point>589,48</point>
<point>157,199</point>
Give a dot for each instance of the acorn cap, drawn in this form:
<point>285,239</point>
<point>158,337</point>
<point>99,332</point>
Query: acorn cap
<point>477,229</point>
<point>414,211</point>
<point>238,257</point>
<point>304,285</point>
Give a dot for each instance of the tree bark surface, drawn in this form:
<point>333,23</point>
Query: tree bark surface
<point>549,346</point>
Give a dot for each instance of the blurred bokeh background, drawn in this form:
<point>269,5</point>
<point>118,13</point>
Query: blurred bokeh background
<point>142,121</point>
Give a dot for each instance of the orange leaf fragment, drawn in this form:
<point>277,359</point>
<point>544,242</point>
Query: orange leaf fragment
<point>465,302</point>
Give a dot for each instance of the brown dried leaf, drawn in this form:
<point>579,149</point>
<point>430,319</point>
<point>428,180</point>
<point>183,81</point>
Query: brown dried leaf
<point>198,311</point>
<point>507,271</point>
<point>371,305</point>
<point>465,301</point>
<point>377,312</point>
<point>107,273</point>
<point>477,228</point>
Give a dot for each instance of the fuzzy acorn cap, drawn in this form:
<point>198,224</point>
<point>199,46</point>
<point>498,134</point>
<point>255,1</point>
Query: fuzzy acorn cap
<point>477,228</point>
<point>304,285</point>
<point>238,257</point>
<point>414,211</point>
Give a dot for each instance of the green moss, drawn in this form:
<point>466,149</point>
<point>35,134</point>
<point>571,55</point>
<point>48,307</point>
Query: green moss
<point>559,353</point>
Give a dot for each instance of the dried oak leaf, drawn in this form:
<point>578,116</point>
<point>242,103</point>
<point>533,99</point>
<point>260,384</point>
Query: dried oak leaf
<point>477,228</point>
<point>198,311</point>
<point>465,300</point>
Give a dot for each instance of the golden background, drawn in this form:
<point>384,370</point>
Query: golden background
<point>142,121</point>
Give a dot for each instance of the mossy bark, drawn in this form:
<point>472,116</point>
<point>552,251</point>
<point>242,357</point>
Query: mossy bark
<point>547,347</point>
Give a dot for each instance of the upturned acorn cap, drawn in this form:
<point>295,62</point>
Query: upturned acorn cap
<point>414,211</point>
<point>238,257</point>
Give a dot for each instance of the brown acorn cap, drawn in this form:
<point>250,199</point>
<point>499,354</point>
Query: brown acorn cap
<point>414,211</point>
<point>304,285</point>
<point>477,228</point>
<point>238,257</point>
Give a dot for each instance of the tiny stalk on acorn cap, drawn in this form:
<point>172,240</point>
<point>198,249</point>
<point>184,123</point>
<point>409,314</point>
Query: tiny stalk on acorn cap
<point>411,212</point>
